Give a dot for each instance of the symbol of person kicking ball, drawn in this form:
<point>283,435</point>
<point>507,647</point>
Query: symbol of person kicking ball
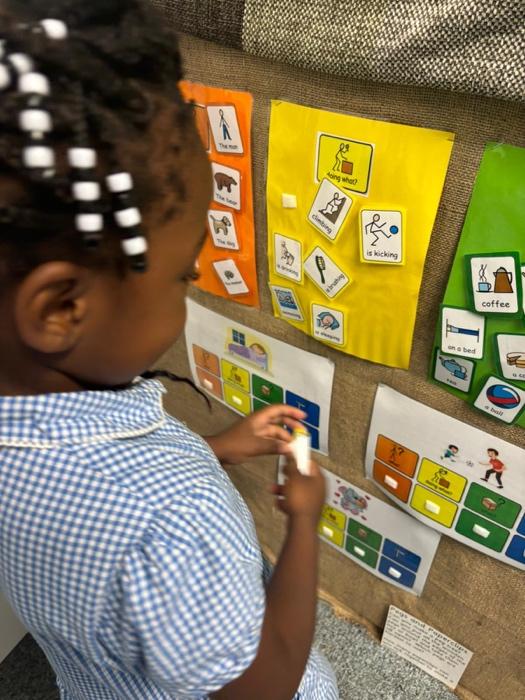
<point>374,227</point>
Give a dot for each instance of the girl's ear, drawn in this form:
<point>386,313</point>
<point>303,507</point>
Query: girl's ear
<point>51,305</point>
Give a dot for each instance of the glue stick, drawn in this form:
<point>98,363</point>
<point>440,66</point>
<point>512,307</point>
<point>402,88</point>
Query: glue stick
<point>301,450</point>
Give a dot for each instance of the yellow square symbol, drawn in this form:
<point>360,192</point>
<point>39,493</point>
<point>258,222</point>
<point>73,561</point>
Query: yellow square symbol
<point>237,399</point>
<point>440,479</point>
<point>346,163</point>
<point>334,516</point>
<point>235,375</point>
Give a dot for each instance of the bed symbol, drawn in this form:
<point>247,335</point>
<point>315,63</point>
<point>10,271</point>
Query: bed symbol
<point>462,331</point>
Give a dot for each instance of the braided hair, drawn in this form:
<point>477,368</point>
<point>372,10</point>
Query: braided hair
<point>108,79</point>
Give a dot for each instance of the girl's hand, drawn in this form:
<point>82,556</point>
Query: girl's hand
<point>261,433</point>
<point>301,496</point>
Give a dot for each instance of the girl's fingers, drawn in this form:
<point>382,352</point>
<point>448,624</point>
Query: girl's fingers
<point>290,468</point>
<point>275,432</point>
<point>293,424</point>
<point>278,412</point>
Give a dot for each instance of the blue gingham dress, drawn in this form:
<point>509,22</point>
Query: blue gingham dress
<point>127,551</point>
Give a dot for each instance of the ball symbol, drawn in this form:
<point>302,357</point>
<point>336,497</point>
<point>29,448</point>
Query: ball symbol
<point>394,230</point>
<point>503,396</point>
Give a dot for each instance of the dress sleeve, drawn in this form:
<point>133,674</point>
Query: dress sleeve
<point>187,606</point>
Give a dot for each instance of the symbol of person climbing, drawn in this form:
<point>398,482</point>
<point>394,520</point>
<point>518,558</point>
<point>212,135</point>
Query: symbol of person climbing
<point>333,208</point>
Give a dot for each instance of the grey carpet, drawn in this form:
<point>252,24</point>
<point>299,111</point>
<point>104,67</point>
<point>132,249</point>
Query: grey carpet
<point>367,671</point>
<point>364,669</point>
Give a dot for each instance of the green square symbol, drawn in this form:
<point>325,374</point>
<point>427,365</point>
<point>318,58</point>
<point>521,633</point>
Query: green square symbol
<point>494,539</point>
<point>364,534</point>
<point>361,552</point>
<point>266,391</point>
<point>492,505</point>
<point>257,405</point>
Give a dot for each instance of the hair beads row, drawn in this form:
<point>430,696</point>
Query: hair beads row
<point>38,156</point>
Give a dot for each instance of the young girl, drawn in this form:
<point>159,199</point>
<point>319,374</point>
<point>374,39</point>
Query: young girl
<point>124,547</point>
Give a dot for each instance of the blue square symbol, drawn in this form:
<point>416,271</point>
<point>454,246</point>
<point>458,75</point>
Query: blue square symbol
<point>396,573</point>
<point>516,549</point>
<point>311,409</point>
<point>521,526</point>
<point>401,555</point>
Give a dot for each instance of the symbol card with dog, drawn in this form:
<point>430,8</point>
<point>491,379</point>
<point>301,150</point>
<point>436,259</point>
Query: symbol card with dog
<point>222,229</point>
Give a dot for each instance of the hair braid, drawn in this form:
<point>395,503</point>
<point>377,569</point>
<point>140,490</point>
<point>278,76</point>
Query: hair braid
<point>118,56</point>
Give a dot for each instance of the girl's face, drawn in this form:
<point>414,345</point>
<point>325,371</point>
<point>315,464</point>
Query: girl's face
<point>142,315</point>
<point>74,327</point>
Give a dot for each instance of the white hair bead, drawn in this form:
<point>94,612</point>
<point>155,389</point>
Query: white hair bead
<point>34,84</point>
<point>39,157</point>
<point>126,218</point>
<point>82,158</point>
<point>21,62</point>
<point>119,182</point>
<point>5,77</point>
<point>89,223</point>
<point>134,246</point>
<point>35,120</point>
<point>86,191</point>
<point>54,28</point>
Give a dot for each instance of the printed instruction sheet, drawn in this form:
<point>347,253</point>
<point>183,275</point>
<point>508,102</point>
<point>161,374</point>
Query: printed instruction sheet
<point>433,652</point>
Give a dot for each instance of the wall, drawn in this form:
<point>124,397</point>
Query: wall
<point>474,599</point>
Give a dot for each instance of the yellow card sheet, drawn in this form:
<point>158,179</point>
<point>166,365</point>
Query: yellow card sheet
<point>351,206</point>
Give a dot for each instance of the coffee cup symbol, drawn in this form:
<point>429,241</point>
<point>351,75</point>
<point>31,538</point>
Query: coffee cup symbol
<point>483,284</point>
